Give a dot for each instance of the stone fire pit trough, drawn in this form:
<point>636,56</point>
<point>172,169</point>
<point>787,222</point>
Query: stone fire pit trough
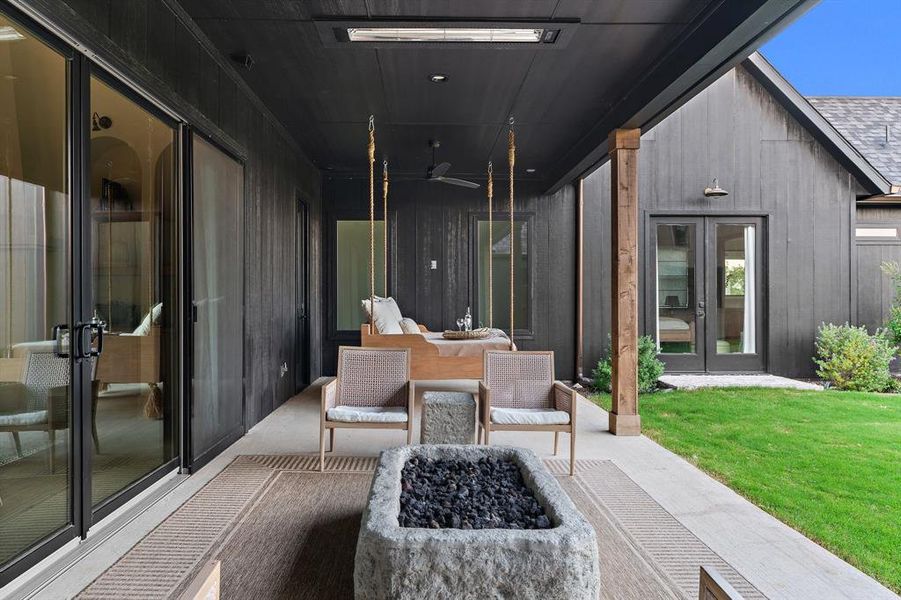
<point>408,562</point>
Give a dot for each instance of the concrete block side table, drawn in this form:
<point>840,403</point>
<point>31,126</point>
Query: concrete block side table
<point>448,418</point>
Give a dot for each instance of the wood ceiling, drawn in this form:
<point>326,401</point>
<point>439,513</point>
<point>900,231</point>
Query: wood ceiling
<point>561,97</point>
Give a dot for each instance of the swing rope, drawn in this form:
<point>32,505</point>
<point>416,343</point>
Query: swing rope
<point>511,159</point>
<point>490,245</point>
<point>371,224</point>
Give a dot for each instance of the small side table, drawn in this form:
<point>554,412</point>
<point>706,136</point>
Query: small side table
<point>448,418</point>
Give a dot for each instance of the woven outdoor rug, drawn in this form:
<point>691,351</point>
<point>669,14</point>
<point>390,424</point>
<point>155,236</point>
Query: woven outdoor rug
<point>284,530</point>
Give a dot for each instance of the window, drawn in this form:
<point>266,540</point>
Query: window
<point>352,284</point>
<point>499,259</point>
<point>872,232</point>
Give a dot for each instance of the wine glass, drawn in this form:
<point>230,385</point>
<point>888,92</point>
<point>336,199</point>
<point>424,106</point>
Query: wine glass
<point>460,323</point>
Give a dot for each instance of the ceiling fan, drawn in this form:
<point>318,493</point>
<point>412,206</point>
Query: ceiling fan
<point>436,171</point>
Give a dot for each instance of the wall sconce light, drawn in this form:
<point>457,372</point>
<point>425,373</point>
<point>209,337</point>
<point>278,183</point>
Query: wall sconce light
<point>99,123</point>
<point>715,191</point>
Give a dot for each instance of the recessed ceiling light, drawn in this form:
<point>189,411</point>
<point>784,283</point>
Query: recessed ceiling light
<point>530,170</point>
<point>483,35</point>
<point>438,78</point>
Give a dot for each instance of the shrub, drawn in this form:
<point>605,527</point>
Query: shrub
<point>892,270</point>
<point>893,325</point>
<point>649,367</point>
<point>851,359</point>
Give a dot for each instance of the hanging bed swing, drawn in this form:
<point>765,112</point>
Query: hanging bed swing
<point>433,355</point>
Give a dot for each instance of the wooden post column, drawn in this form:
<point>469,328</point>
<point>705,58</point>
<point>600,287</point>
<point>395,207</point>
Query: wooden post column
<point>624,418</point>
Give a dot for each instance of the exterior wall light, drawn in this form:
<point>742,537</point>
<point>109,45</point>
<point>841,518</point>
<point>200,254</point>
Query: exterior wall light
<point>716,191</point>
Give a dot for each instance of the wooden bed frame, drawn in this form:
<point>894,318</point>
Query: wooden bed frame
<point>425,362</point>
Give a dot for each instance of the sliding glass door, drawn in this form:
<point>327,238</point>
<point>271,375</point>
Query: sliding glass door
<point>217,392</point>
<point>133,256</point>
<point>36,391</point>
<point>707,305</point>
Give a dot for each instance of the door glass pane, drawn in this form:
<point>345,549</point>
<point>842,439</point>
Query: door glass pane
<point>218,281</point>
<point>499,257</point>
<point>34,291</point>
<point>735,289</point>
<point>676,293</point>
<point>132,176</point>
<point>353,270</point>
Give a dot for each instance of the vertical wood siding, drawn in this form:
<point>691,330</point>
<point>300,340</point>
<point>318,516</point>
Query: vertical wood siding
<point>737,132</point>
<point>159,47</point>
<point>431,221</point>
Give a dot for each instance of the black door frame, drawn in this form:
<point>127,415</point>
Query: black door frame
<point>302,294</point>
<point>751,362</point>
<point>171,430</point>
<point>688,361</point>
<point>188,462</point>
<point>707,360</point>
<point>75,525</point>
<point>82,513</point>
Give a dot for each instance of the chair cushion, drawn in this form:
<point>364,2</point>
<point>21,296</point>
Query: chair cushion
<point>367,414</point>
<point>26,419</point>
<point>528,416</point>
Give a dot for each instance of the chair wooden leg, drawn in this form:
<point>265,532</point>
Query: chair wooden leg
<point>331,439</point>
<point>556,441</point>
<point>409,434</point>
<point>321,449</point>
<point>18,443</point>
<point>572,453</point>
<point>487,431</point>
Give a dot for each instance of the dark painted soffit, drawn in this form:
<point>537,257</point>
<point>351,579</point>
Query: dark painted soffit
<point>697,59</point>
<point>824,132</point>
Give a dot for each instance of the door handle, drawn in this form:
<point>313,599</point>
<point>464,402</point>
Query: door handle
<point>700,312</point>
<point>94,330</point>
<point>58,339</point>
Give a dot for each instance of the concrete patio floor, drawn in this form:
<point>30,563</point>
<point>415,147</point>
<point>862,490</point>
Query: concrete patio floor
<point>780,562</point>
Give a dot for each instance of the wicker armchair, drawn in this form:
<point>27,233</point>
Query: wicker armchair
<point>40,402</point>
<point>519,394</point>
<point>372,391</point>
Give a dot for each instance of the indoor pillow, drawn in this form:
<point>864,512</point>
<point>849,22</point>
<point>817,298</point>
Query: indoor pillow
<point>409,326</point>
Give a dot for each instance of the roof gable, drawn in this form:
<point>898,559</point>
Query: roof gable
<point>871,124</point>
<point>868,175</point>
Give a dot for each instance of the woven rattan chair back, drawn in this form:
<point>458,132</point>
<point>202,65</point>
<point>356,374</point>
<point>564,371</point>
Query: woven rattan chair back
<point>373,377</point>
<point>43,372</point>
<point>520,379</point>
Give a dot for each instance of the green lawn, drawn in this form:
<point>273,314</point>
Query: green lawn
<point>826,463</point>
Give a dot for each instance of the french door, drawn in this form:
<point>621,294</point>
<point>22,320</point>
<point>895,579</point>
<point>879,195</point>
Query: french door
<point>706,304</point>
<point>89,266</point>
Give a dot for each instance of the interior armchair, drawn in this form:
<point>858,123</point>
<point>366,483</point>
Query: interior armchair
<point>372,391</point>
<point>519,393</point>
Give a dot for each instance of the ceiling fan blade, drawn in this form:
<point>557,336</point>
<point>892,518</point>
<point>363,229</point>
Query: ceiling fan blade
<point>461,182</point>
<point>439,170</point>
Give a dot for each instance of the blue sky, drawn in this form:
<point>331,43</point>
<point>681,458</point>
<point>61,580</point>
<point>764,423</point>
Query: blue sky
<point>842,48</point>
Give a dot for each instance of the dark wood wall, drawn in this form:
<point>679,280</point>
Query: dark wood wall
<point>431,221</point>
<point>771,166</point>
<point>875,291</point>
<point>160,48</point>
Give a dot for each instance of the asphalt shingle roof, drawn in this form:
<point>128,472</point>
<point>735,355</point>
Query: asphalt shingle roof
<point>862,121</point>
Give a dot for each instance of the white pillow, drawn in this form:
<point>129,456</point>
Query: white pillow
<point>409,326</point>
<point>152,318</point>
<point>387,315</point>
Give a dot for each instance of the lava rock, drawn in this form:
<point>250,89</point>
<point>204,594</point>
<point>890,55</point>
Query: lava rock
<point>462,494</point>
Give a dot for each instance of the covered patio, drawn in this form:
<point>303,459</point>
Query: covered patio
<point>249,288</point>
<point>658,518</point>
